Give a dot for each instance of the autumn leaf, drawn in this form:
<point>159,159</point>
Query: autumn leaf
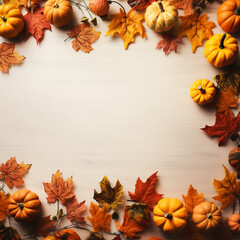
<point>186,5</point>
<point>43,226</point>
<point>84,34</point>
<point>100,219</point>
<point>232,78</point>
<point>109,197</point>
<point>225,100</point>
<point>197,29</point>
<point>12,172</point>
<point>225,125</point>
<point>169,43</point>
<point>35,23</point>
<point>75,210</point>
<point>192,199</point>
<point>8,57</point>
<point>126,26</point>
<point>227,189</point>
<point>59,189</point>
<point>145,191</point>
<point>4,202</point>
<point>139,4</point>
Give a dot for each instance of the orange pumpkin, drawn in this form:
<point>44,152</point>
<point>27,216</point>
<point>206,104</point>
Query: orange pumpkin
<point>228,16</point>
<point>24,205</point>
<point>58,12</point>
<point>11,21</point>
<point>234,222</point>
<point>67,234</point>
<point>99,7</point>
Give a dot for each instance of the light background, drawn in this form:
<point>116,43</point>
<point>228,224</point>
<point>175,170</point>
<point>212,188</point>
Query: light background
<point>123,114</point>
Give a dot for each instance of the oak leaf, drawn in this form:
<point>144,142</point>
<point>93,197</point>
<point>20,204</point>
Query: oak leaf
<point>109,197</point>
<point>59,189</point>
<point>192,199</point>
<point>84,34</point>
<point>12,172</point>
<point>225,125</point>
<point>197,29</point>
<point>139,4</point>
<point>227,189</point>
<point>169,43</point>
<point>145,191</point>
<point>100,219</point>
<point>75,210</point>
<point>4,202</point>
<point>126,26</point>
<point>8,57</point>
<point>35,23</point>
<point>43,226</point>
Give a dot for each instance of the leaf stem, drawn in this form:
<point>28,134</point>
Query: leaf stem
<point>87,8</point>
<point>3,181</point>
<point>204,6</point>
<point>110,1</point>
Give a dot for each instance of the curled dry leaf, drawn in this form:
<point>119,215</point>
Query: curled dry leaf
<point>59,189</point>
<point>8,57</point>
<point>12,172</point>
<point>4,202</point>
<point>84,35</point>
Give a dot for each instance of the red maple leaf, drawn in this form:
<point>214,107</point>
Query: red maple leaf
<point>145,192</point>
<point>35,24</point>
<point>169,43</point>
<point>225,125</point>
<point>43,226</point>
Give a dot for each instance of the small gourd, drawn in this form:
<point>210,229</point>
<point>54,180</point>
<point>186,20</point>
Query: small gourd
<point>170,215</point>
<point>206,216</point>
<point>234,222</point>
<point>99,7</point>
<point>24,205</point>
<point>161,16</point>
<point>11,21</point>
<point>228,16</point>
<point>202,91</point>
<point>234,158</point>
<point>221,50</point>
<point>58,12</point>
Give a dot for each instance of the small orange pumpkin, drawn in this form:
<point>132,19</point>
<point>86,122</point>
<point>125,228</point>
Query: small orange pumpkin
<point>206,216</point>
<point>67,234</point>
<point>11,21</point>
<point>99,7</point>
<point>24,205</point>
<point>58,12</point>
<point>234,222</point>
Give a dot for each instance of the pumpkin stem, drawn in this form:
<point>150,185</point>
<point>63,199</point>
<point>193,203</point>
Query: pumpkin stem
<point>202,90</point>
<point>161,6</point>
<point>221,46</point>
<point>56,5</point>
<point>169,216</point>
<point>237,11</point>
<point>209,216</point>
<point>4,18</point>
<point>21,205</point>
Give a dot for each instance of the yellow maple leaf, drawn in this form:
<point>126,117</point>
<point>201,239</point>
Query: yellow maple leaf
<point>197,29</point>
<point>126,26</point>
<point>4,202</point>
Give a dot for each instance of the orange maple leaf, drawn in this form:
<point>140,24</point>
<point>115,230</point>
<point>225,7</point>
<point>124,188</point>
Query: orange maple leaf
<point>4,202</point>
<point>192,199</point>
<point>59,189</point>
<point>196,28</point>
<point>12,172</point>
<point>8,57</point>
<point>84,35</point>
<point>100,219</point>
<point>186,5</point>
<point>227,189</point>
<point>127,26</point>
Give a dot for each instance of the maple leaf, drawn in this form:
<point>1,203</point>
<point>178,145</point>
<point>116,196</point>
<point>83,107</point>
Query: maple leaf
<point>59,189</point>
<point>43,226</point>
<point>227,189</point>
<point>100,218</point>
<point>84,35</point>
<point>145,192</point>
<point>186,5</point>
<point>169,43</point>
<point>35,23</point>
<point>225,125</point>
<point>75,210</point>
<point>8,57</point>
<point>197,29</point>
<point>192,199</point>
<point>109,197</point>
<point>127,26</point>
<point>139,4</point>
<point>225,100</point>
<point>4,202</point>
<point>12,172</point>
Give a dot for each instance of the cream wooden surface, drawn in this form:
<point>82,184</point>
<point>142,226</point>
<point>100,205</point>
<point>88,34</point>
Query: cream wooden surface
<point>112,112</point>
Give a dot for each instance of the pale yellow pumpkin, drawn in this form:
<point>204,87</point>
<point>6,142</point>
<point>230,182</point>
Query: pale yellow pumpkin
<point>161,16</point>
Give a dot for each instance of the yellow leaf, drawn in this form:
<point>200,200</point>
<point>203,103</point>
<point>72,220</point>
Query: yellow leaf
<point>127,26</point>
